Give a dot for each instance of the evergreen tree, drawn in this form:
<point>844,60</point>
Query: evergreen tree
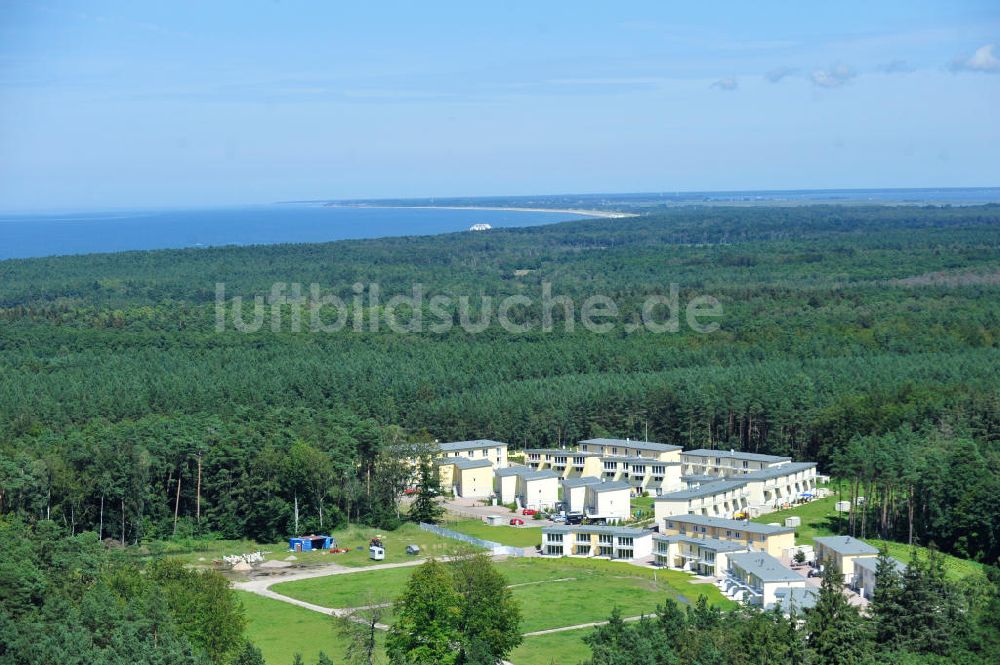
<point>836,633</point>
<point>249,655</point>
<point>887,612</point>
<point>425,507</point>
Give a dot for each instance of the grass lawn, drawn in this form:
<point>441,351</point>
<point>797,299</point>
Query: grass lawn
<point>820,519</point>
<point>281,630</point>
<point>565,648</point>
<point>515,536</point>
<point>202,552</point>
<point>643,504</point>
<point>587,589</point>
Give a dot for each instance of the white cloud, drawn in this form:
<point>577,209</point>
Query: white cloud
<point>728,84</point>
<point>832,77</point>
<point>982,60</point>
<point>779,73</point>
<point>897,67</point>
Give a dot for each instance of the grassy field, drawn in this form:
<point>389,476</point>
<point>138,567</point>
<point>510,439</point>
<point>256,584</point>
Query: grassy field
<point>515,536</point>
<point>203,552</point>
<point>281,630</point>
<point>580,581</point>
<point>552,592</point>
<point>820,519</point>
<point>566,648</point>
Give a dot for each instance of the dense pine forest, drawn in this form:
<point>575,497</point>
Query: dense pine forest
<point>862,337</point>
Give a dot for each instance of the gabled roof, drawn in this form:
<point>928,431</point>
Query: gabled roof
<point>735,525</point>
<point>870,563</point>
<point>513,470</point>
<point>778,471</point>
<point>463,462</point>
<point>846,545</point>
<point>733,454</point>
<point>582,481</point>
<point>568,452</point>
<point>475,444</point>
<point>540,475</point>
<point>638,445</point>
<point>713,544</point>
<point>801,598</point>
<point>708,489</point>
<point>623,531</point>
<point>612,486</point>
<point>764,566</point>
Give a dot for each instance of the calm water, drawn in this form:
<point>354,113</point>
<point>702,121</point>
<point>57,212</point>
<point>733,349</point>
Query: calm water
<point>24,236</point>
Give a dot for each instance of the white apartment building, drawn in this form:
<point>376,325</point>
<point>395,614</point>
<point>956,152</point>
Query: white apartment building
<point>596,541</point>
<point>865,577</point>
<point>526,487</point>
<point>721,498</point>
<point>610,501</point>
<point>702,556</point>
<point>666,452</point>
<point>494,451</point>
<point>574,494</point>
<point>724,463</point>
<point>763,581</point>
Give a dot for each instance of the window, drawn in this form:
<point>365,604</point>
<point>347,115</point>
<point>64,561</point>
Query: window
<point>670,525</point>
<point>604,539</point>
<point>624,554</point>
<point>555,537</point>
<point>624,542</point>
<point>554,549</point>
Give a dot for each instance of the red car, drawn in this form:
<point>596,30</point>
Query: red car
<point>529,511</point>
<point>516,521</point>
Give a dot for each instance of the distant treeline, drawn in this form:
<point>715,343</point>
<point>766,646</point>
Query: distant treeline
<point>839,323</point>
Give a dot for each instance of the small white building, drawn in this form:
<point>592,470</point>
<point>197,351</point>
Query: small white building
<point>611,501</point>
<point>865,577</point>
<point>574,495</point>
<point>526,487</point>
<point>841,552</point>
<point>758,578</point>
<point>611,542</point>
<point>538,489</point>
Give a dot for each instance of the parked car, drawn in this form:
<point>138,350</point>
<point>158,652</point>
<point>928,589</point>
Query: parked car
<point>528,511</point>
<point>574,518</point>
<point>516,521</point>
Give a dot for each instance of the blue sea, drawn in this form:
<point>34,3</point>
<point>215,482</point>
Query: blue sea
<point>23,236</point>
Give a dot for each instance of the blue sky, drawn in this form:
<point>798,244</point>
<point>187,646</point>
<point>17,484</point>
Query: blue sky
<point>140,104</point>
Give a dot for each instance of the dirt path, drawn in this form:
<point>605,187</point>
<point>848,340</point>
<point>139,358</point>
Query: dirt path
<point>578,626</point>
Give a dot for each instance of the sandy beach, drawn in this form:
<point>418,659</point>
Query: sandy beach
<point>589,213</point>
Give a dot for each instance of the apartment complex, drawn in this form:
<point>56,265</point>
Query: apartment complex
<point>728,494</point>
<point>773,540</point>
<point>702,556</point>
<point>494,451</point>
<point>762,580</point>
<point>722,463</point>
<point>602,541</point>
<point>647,466</point>
<point>720,498</point>
<point>566,463</point>
<point>841,552</point>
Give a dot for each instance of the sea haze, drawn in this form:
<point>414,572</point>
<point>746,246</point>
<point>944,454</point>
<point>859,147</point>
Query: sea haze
<point>23,236</point>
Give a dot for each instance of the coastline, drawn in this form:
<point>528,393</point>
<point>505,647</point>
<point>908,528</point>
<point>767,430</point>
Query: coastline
<point>568,211</point>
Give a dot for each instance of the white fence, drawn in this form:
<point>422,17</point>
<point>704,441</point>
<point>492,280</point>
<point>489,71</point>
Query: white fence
<point>495,548</point>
